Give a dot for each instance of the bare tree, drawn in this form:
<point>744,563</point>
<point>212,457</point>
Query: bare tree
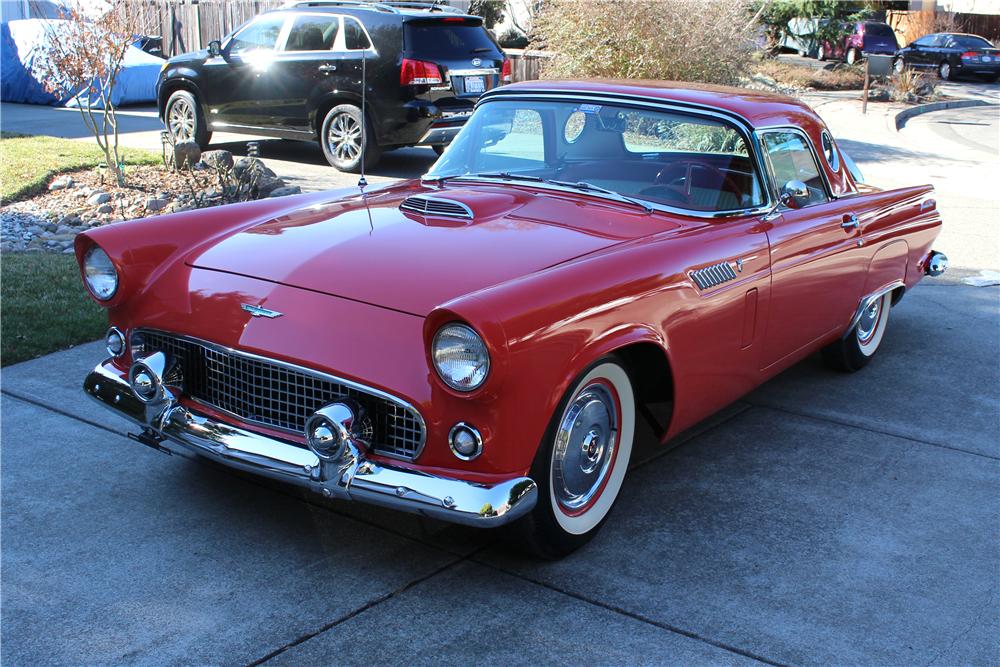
<point>81,58</point>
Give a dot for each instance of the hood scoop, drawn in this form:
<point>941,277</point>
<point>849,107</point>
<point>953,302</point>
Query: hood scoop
<point>432,205</point>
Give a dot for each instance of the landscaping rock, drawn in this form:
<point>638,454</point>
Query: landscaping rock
<point>218,159</point>
<point>155,204</point>
<point>268,184</point>
<point>285,191</point>
<point>186,154</point>
<point>98,198</point>
<point>72,220</point>
<point>61,183</point>
<point>251,166</point>
<point>106,208</point>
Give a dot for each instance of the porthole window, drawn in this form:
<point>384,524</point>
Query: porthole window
<point>574,126</point>
<point>830,152</point>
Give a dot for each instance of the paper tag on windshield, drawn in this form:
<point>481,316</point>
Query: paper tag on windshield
<point>590,108</point>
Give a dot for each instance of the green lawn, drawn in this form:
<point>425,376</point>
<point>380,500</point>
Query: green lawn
<point>45,306</point>
<point>27,163</point>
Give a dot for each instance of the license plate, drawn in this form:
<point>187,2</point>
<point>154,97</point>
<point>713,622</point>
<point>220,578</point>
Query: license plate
<point>475,84</point>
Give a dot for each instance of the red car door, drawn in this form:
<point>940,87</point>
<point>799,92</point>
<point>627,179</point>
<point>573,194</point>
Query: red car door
<point>817,271</point>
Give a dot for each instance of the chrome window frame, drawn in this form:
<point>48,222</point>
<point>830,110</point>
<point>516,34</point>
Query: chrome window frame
<point>742,125</point>
<point>327,377</point>
<point>828,190</point>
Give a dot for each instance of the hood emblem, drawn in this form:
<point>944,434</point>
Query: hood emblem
<point>258,311</point>
<point>476,62</point>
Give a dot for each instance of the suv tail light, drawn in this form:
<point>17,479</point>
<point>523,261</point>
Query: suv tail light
<point>419,73</point>
<point>505,71</point>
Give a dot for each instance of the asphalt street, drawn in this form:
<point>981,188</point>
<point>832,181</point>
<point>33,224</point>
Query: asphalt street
<point>824,519</point>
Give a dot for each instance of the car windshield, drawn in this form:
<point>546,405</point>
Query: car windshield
<point>680,160</point>
<point>970,42</point>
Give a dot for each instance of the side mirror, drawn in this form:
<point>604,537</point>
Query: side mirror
<point>794,194</point>
<point>215,48</point>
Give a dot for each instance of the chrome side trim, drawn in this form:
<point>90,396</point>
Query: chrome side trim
<point>352,477</point>
<point>867,301</point>
<point>308,371</point>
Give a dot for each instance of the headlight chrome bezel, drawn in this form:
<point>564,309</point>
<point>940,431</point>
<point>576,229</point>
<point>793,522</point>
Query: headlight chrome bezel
<point>472,335</point>
<point>92,271</point>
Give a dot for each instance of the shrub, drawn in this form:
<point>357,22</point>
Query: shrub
<point>685,40</point>
<point>909,86</point>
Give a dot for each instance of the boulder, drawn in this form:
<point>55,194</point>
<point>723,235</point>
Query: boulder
<point>285,191</point>
<point>61,183</point>
<point>106,208</point>
<point>186,154</point>
<point>219,160</point>
<point>98,198</point>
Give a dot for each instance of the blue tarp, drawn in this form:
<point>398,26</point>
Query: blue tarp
<point>18,47</point>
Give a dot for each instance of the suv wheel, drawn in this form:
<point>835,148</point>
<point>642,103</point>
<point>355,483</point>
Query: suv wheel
<point>852,56</point>
<point>184,119</point>
<point>341,139</point>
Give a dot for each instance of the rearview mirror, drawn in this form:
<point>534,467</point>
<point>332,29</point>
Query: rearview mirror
<point>795,194</point>
<point>215,48</point>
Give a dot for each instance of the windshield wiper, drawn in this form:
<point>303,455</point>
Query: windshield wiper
<point>584,186</point>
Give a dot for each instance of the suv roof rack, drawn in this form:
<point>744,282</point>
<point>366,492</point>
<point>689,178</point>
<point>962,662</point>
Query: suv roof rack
<point>384,6</point>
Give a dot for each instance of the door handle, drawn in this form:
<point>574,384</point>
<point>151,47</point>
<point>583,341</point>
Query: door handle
<point>327,68</point>
<point>850,222</point>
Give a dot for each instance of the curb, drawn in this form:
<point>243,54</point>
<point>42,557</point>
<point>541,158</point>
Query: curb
<point>907,114</point>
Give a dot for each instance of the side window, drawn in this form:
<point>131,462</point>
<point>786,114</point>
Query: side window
<point>924,41</point>
<point>355,38</point>
<point>312,33</point>
<point>791,160</point>
<point>261,34</point>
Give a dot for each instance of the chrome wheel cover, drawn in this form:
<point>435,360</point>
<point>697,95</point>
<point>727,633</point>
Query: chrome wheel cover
<point>585,447</point>
<point>869,321</point>
<point>181,120</point>
<point>945,70</point>
<point>343,137</point>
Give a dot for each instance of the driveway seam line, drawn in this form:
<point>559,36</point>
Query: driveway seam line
<point>360,610</point>
<point>829,420</point>
<point>633,615</point>
<point>38,403</point>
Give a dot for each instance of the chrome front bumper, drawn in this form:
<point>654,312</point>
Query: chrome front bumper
<point>167,424</point>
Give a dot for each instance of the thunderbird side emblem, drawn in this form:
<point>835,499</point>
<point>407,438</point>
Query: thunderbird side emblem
<point>476,62</point>
<point>257,311</point>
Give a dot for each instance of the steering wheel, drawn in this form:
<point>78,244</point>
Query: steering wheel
<point>675,180</point>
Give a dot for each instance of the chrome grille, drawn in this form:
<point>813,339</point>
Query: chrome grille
<point>425,205</point>
<point>710,276</point>
<point>282,396</point>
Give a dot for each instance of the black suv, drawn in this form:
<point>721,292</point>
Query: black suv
<point>296,73</point>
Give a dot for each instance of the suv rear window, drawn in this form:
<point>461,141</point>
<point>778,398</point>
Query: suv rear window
<point>440,39</point>
<point>879,30</point>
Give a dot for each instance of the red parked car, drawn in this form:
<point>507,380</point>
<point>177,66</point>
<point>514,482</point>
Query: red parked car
<point>477,345</point>
<point>867,38</point>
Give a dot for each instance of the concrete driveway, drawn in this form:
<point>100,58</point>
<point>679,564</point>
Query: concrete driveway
<point>825,519</point>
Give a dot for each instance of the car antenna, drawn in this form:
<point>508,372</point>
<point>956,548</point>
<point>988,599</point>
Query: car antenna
<point>362,183</point>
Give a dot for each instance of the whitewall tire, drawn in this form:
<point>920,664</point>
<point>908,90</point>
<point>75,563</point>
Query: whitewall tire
<point>581,463</point>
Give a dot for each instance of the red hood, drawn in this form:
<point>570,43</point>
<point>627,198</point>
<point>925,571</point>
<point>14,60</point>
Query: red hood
<point>387,257</point>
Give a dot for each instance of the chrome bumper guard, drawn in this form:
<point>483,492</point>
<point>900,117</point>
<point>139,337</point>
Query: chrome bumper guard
<point>351,477</point>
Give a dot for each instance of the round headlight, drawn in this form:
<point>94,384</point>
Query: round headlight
<point>102,278</point>
<point>460,357</point>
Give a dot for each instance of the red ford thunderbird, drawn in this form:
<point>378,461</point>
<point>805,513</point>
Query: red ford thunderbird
<point>477,345</point>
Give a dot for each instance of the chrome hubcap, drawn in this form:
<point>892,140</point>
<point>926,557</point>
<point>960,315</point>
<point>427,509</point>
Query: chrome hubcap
<point>945,69</point>
<point>343,139</point>
<point>869,321</point>
<point>181,120</point>
<point>585,447</point>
